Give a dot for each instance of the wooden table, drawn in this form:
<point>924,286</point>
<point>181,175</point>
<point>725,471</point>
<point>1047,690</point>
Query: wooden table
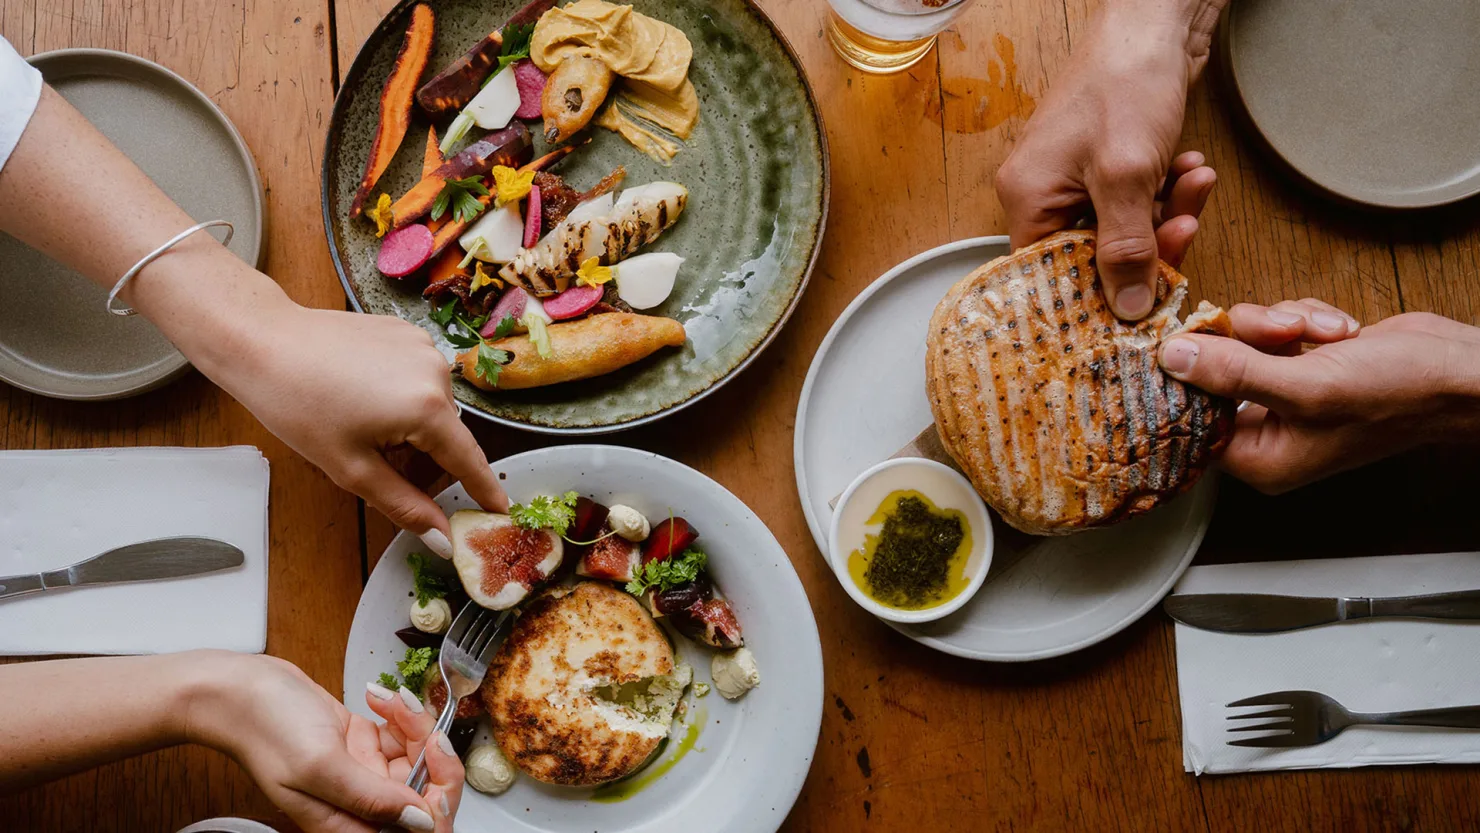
<point>911,739</point>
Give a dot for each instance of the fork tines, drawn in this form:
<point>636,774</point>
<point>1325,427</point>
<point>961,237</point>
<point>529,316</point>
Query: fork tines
<point>1281,724</point>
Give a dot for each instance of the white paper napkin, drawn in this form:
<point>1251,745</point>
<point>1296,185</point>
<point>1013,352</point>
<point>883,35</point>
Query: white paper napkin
<point>1370,666</point>
<point>59,507</point>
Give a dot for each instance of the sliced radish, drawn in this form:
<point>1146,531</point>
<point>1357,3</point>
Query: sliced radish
<point>573,302</point>
<point>646,280</point>
<point>532,218</point>
<point>404,250</point>
<point>495,105</point>
<point>531,83</point>
<point>501,231</point>
<point>510,305</point>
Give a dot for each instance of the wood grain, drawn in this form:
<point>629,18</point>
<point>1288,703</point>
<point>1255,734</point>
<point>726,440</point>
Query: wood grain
<point>911,739</point>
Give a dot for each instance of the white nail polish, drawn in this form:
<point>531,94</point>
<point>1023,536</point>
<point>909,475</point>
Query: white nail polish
<point>445,744</point>
<point>446,808</point>
<point>436,541</point>
<point>379,692</point>
<point>415,818</point>
<point>410,700</point>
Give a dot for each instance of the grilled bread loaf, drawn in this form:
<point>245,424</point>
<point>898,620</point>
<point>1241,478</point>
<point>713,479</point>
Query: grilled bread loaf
<point>1058,412</point>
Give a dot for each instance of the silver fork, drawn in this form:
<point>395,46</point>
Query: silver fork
<point>1308,718</point>
<point>466,651</point>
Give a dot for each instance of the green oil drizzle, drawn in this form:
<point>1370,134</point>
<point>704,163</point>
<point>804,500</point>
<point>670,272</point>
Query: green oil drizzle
<point>640,780</point>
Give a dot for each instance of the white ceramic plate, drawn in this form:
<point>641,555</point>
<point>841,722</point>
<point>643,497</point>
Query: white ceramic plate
<point>752,755</point>
<point>864,399</point>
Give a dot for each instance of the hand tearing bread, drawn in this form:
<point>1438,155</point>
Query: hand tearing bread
<point>1059,412</point>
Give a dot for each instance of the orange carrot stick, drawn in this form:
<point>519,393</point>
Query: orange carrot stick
<point>395,101</point>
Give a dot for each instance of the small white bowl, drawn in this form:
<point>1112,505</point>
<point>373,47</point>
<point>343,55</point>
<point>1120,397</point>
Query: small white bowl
<point>947,489</point>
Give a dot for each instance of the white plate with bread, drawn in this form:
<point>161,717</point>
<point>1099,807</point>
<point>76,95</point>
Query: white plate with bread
<point>732,765</point>
<point>865,398</point>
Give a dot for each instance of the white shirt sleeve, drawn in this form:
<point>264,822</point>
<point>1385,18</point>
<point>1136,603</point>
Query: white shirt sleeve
<point>20,90</point>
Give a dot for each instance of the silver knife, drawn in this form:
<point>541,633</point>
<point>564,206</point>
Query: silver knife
<point>1257,613</point>
<point>164,558</point>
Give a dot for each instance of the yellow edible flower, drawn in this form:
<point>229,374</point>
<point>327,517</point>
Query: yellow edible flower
<point>592,273</point>
<point>482,279</point>
<point>381,214</point>
<point>510,184</point>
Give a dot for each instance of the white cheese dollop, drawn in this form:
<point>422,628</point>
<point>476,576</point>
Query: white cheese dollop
<point>628,522</point>
<point>488,771</point>
<point>734,672</point>
<point>433,617</point>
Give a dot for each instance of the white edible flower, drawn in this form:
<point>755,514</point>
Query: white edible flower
<point>488,771</point>
<point>628,523</point>
<point>433,617</point>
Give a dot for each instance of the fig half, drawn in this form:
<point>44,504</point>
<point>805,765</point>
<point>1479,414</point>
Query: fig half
<point>500,563</point>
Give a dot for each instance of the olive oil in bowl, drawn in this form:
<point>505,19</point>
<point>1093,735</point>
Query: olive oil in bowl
<point>917,559</point>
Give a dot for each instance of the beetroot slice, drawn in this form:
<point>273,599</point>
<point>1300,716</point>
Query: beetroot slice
<point>531,84</point>
<point>404,250</point>
<point>532,218</point>
<point>511,305</point>
<point>573,302</point>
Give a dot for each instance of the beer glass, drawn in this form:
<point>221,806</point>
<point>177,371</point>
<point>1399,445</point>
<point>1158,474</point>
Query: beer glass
<point>883,36</point>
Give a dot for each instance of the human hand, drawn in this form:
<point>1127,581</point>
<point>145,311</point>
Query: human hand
<point>341,388</point>
<point>331,771</point>
<point>1360,395</point>
<point>1104,137</point>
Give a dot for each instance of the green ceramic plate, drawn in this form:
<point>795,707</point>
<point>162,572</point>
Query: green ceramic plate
<point>756,170</point>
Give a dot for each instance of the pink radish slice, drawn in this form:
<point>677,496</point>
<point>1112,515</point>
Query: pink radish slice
<point>404,251</point>
<point>511,305</point>
<point>532,218</point>
<point>574,301</point>
<point>531,83</point>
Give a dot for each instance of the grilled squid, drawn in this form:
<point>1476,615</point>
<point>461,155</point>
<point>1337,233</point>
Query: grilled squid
<point>636,219</point>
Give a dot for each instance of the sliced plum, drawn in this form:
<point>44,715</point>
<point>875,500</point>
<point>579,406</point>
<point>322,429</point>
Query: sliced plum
<point>669,538</point>
<point>590,518</point>
<point>681,598</point>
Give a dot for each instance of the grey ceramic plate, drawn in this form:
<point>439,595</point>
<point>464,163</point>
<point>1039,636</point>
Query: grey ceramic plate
<point>55,337</point>
<point>1372,101</point>
<point>755,167</point>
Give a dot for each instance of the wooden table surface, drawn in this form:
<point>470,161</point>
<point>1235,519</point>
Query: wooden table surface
<point>911,739</point>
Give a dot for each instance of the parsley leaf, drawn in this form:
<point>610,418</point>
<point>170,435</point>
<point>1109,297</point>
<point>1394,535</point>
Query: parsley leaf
<point>669,573</point>
<point>414,667</point>
<point>491,361</point>
<point>443,314</point>
<point>428,584</point>
<point>516,45</point>
<point>389,681</point>
<point>461,195</point>
<point>505,327</point>
<point>546,512</point>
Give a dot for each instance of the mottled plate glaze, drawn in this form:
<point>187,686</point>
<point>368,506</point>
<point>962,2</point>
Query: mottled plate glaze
<point>756,170</point>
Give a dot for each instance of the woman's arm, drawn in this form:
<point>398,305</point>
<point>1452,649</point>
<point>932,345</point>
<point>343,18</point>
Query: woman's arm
<point>326,768</point>
<point>337,387</point>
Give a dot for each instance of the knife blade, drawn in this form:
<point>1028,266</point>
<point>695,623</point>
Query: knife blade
<point>165,558</point>
<point>1262,613</point>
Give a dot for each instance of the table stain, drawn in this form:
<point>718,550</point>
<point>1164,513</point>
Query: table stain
<point>978,104</point>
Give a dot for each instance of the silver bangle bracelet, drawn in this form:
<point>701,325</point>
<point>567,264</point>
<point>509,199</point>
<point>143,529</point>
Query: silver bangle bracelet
<point>154,255</point>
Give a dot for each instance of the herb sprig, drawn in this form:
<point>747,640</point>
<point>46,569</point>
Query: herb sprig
<point>515,47</point>
<point>427,583</point>
<point>414,667</point>
<point>546,512</point>
<point>669,573</point>
<point>461,195</point>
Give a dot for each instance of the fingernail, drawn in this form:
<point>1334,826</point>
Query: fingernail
<point>1352,325</point>
<point>436,541</point>
<point>446,808</point>
<point>1329,321</point>
<point>1132,302</point>
<point>415,818</point>
<point>410,700</point>
<point>1284,319</point>
<point>379,692</point>
<point>1179,355</point>
<point>444,743</point>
